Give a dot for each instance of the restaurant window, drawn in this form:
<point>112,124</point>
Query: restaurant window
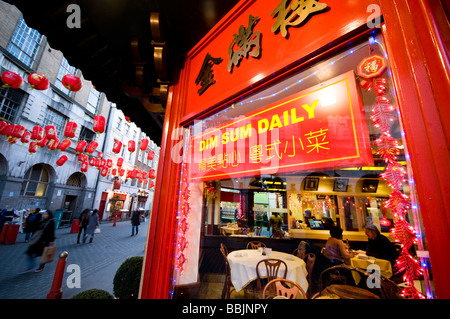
<point>93,100</point>
<point>305,149</point>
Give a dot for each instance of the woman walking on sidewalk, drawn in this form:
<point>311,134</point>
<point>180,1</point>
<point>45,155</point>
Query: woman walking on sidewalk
<point>43,237</point>
<point>84,221</point>
<point>92,225</point>
<point>135,221</point>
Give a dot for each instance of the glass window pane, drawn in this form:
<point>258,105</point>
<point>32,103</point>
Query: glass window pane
<point>31,189</point>
<point>41,190</point>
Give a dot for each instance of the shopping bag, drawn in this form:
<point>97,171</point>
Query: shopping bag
<point>97,230</point>
<point>48,255</point>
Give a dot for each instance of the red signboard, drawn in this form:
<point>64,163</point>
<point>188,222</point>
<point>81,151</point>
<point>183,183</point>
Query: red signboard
<point>323,127</point>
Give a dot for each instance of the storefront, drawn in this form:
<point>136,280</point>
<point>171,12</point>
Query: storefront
<point>314,115</point>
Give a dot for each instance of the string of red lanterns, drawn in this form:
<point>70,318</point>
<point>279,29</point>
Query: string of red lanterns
<point>47,136</point>
<point>371,69</point>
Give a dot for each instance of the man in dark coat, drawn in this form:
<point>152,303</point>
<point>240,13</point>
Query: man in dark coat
<point>43,237</point>
<point>135,221</point>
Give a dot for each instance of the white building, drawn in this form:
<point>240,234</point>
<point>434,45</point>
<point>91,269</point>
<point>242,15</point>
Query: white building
<point>123,195</point>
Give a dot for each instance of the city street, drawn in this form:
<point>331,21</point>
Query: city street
<point>98,261</point>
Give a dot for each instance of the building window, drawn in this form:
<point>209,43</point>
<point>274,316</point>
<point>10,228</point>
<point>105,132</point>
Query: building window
<point>86,134</point>
<point>93,100</point>
<point>55,118</point>
<point>119,123</point>
<point>64,69</point>
<point>127,129</point>
<point>25,43</point>
<point>10,100</point>
<point>35,181</point>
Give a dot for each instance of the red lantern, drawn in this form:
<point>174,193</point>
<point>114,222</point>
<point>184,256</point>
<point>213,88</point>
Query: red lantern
<point>3,125</point>
<point>100,155</point>
<point>151,173</point>
<point>92,161</point>
<point>7,129</point>
<point>64,145</point>
<point>12,80</point>
<point>144,144</point>
<point>81,146</point>
<point>18,131</point>
<point>146,181</point>
<point>131,146</point>
<point>119,162</point>
<point>121,172</point>
<point>114,172</point>
<point>26,137</point>
<point>83,157</point>
<point>62,160</point>
<point>33,147</point>
<point>109,163</point>
<point>38,81</point>
<point>98,163</point>
<point>150,155</point>
<point>92,147</point>
<point>71,82</point>
<point>37,133</point>
<point>53,144</point>
<point>84,166</point>
<point>43,142</point>
<point>117,147</point>
<point>99,124</point>
<point>70,130</point>
<point>104,171</point>
<point>50,132</point>
<point>12,140</point>
<point>152,183</point>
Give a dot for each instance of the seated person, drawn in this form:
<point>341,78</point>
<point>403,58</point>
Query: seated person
<point>335,249</point>
<point>379,246</point>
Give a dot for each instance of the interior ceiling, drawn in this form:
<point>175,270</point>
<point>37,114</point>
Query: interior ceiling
<point>129,49</point>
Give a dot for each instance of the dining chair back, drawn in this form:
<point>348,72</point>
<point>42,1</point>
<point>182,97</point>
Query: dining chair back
<point>283,288</point>
<point>273,270</point>
<point>310,260</point>
<point>227,286</point>
<point>342,274</point>
<point>255,245</point>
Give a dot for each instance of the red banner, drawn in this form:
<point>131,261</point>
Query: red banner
<point>323,127</point>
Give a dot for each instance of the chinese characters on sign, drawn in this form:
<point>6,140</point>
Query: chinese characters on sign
<point>206,77</point>
<point>292,13</point>
<point>248,43</point>
<point>293,134</point>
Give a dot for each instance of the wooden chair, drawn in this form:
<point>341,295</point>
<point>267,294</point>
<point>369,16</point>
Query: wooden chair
<point>282,289</point>
<point>255,245</point>
<point>272,268</point>
<point>227,286</point>
<point>310,260</point>
<point>342,274</point>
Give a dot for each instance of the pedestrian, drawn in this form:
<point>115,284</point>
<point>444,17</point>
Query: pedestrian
<point>44,236</point>
<point>92,225</point>
<point>32,223</point>
<point>135,221</point>
<point>84,221</point>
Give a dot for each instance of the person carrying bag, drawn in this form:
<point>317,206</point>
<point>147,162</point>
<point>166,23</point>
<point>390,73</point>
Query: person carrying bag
<point>44,237</point>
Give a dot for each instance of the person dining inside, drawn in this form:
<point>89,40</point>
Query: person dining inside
<point>379,246</point>
<point>335,249</point>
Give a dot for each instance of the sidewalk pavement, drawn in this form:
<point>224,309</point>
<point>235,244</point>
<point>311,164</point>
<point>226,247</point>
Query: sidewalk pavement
<point>98,261</point>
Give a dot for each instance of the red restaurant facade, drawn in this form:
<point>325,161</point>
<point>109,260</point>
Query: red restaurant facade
<point>344,93</point>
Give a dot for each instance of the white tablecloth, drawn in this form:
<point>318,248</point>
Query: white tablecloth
<point>243,268</point>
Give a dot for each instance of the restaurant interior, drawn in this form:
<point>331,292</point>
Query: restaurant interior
<point>241,249</point>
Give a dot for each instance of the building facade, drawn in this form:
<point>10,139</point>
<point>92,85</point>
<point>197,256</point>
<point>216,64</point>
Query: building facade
<point>31,180</point>
<point>121,195</point>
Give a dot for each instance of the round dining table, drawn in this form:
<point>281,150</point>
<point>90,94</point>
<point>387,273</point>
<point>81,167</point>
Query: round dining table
<point>243,267</point>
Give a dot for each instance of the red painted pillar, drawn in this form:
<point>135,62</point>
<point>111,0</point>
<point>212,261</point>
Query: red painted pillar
<point>115,220</point>
<point>56,291</point>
